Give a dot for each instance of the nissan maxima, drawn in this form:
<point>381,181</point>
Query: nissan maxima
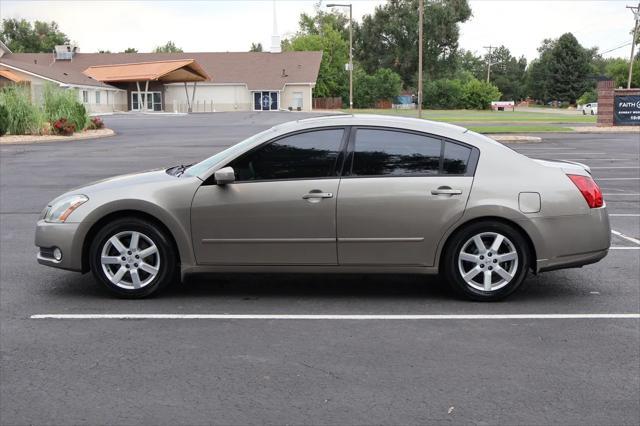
<point>338,194</point>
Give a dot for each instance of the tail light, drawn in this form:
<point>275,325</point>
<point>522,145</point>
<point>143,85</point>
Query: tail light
<point>589,189</point>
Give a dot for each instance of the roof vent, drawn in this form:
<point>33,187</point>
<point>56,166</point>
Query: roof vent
<point>65,52</point>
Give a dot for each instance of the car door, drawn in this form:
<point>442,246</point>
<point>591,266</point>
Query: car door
<point>399,194</point>
<point>281,208</point>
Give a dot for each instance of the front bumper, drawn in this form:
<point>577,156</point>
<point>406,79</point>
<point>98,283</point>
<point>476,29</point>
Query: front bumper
<point>64,236</point>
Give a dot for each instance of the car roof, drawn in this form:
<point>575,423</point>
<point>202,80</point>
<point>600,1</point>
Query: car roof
<point>427,126</point>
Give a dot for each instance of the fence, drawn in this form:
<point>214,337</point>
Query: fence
<point>327,103</point>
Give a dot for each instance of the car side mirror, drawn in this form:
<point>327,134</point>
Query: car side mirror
<point>224,176</point>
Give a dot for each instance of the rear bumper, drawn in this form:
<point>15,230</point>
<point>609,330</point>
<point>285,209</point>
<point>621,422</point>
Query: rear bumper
<point>571,241</point>
<point>63,236</point>
<point>571,261</point>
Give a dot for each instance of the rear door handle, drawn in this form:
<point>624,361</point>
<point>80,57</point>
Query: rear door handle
<point>445,190</point>
<point>317,195</point>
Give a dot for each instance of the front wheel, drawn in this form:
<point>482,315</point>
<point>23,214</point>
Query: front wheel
<point>487,261</point>
<point>132,258</point>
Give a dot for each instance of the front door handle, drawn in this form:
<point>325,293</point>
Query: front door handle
<point>446,190</point>
<point>313,194</point>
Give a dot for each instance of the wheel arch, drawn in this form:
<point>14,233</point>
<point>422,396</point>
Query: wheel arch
<point>514,224</point>
<point>119,214</point>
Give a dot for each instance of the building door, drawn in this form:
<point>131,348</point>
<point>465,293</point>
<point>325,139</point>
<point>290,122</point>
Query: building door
<point>266,101</point>
<point>151,101</point>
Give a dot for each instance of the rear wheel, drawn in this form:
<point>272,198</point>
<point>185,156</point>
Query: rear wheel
<point>486,261</point>
<point>132,258</point>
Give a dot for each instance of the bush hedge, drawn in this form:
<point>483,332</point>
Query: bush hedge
<point>4,119</point>
<point>59,103</point>
<point>23,117</point>
<point>468,93</point>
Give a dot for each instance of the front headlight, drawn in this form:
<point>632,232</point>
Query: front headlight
<point>61,209</point>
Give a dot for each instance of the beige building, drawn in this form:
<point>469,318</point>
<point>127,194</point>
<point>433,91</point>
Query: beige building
<point>172,82</point>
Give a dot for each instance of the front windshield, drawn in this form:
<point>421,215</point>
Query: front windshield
<point>201,167</point>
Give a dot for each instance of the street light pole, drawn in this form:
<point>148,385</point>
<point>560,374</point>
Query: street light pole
<point>420,18</point>
<point>350,51</point>
<point>636,13</point>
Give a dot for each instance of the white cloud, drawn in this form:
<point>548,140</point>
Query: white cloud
<point>234,25</point>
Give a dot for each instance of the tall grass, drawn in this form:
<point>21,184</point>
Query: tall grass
<point>61,103</point>
<point>23,117</point>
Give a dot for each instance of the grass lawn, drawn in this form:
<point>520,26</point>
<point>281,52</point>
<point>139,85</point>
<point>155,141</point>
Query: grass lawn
<point>481,117</point>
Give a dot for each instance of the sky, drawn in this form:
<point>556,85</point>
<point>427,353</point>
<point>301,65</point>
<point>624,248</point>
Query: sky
<point>219,25</point>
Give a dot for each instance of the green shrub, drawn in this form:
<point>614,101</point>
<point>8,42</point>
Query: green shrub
<point>384,84</point>
<point>4,120</point>
<point>60,103</point>
<point>23,116</point>
<point>587,97</point>
<point>444,94</point>
<point>479,94</point>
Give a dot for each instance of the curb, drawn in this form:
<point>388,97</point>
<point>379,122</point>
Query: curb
<point>45,139</point>
<point>514,138</point>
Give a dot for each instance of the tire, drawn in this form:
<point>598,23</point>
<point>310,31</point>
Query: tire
<point>122,272</point>
<point>464,257</point>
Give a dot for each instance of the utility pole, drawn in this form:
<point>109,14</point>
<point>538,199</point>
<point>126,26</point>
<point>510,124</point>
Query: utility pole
<point>420,19</point>
<point>636,15</point>
<point>350,65</point>
<point>490,48</point>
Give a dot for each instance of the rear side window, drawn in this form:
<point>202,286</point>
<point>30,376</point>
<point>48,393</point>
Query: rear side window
<point>299,156</point>
<point>391,153</point>
<point>455,159</point>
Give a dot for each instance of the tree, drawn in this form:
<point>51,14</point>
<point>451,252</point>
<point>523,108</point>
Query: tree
<point>508,73</point>
<point>618,70</point>
<point>332,77</point>
<point>568,69</point>
<point>22,37</point>
<point>169,47</point>
<point>130,50</point>
<point>537,76</point>
<point>389,38</point>
<point>467,61</point>
<point>384,84</point>
<point>103,51</point>
<point>255,47</point>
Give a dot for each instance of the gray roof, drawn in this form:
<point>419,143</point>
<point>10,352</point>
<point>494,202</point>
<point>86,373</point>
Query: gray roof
<point>258,70</point>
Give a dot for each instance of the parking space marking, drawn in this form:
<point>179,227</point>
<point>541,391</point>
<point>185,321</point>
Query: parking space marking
<point>333,317</point>
<point>625,237</point>
<point>623,248</point>
<point>621,193</point>
<point>597,178</point>
<point>602,159</point>
<point>624,214</point>
<point>621,167</point>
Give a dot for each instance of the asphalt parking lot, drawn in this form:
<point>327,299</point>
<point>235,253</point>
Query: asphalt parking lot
<point>530,370</point>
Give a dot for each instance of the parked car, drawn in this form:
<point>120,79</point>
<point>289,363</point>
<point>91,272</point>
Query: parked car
<point>360,194</point>
<point>591,108</point>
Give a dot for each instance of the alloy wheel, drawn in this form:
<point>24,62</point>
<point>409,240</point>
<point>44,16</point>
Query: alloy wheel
<point>488,261</point>
<point>130,260</point>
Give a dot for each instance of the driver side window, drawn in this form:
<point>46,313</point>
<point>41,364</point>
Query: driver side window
<point>305,155</point>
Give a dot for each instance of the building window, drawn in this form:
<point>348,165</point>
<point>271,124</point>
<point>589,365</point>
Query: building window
<point>85,96</point>
<point>97,97</point>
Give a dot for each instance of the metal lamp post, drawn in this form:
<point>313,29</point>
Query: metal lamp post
<point>350,51</point>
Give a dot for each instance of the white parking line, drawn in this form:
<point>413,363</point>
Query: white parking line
<point>601,159</point>
<point>597,178</point>
<point>626,237</point>
<point>621,167</point>
<point>623,248</point>
<point>619,193</point>
<point>624,214</point>
<point>334,317</point>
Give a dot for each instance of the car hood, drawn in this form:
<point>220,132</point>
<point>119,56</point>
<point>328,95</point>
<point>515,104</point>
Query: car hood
<point>568,166</point>
<point>120,182</point>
